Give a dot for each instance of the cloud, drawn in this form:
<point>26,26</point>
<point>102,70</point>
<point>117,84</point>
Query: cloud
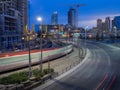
<point>91,21</point>
<point>103,16</point>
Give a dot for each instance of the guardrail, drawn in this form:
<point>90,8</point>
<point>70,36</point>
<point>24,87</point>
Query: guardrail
<point>73,64</point>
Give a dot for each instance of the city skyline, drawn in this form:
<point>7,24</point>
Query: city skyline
<point>87,14</point>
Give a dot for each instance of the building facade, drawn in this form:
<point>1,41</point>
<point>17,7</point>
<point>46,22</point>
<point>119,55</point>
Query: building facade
<point>99,24</point>
<point>11,23</point>
<point>25,12</point>
<point>103,26</point>
<point>49,28</point>
<point>71,17</point>
<point>54,18</point>
<point>107,24</point>
<point>117,22</point>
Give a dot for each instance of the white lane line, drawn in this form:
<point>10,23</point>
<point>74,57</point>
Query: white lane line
<point>100,84</point>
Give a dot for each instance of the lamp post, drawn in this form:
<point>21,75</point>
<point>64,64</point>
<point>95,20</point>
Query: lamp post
<point>85,34</point>
<point>39,19</point>
<point>115,33</point>
<point>29,56</point>
<point>23,44</point>
<point>69,29</point>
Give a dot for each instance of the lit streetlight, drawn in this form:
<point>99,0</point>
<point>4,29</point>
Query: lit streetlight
<point>23,44</point>
<point>29,55</point>
<point>39,19</point>
<point>115,33</point>
<point>85,32</point>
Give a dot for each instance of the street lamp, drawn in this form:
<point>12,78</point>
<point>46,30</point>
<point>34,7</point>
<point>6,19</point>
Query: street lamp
<point>28,35</point>
<point>115,33</point>
<point>39,19</point>
<point>85,35</point>
<point>85,32</point>
<point>23,44</point>
<point>69,29</point>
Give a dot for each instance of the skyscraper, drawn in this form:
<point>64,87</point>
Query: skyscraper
<point>71,17</point>
<point>54,18</point>
<point>99,24</point>
<point>11,23</point>
<point>117,22</point>
<point>107,23</point>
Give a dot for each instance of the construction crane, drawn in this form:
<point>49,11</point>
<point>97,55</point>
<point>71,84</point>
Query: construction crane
<point>77,13</point>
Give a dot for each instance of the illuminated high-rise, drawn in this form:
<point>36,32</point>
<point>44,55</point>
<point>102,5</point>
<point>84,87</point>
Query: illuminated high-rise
<point>54,18</point>
<point>117,22</point>
<point>71,17</point>
<point>107,23</point>
<point>99,24</point>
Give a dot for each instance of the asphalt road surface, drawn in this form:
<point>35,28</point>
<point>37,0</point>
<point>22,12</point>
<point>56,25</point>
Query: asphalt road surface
<point>100,70</point>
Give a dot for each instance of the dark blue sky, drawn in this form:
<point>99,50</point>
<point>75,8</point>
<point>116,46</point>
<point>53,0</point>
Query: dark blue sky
<point>88,14</point>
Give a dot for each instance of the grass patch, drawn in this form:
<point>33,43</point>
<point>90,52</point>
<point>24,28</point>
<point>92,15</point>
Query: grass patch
<point>23,76</point>
<point>14,78</point>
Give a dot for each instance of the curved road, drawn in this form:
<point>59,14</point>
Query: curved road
<point>97,71</point>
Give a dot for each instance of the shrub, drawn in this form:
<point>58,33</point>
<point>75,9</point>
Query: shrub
<point>46,71</point>
<point>37,73</point>
<point>14,78</point>
<point>23,76</point>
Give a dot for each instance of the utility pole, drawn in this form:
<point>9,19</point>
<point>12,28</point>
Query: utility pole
<point>41,56</point>
<point>30,69</point>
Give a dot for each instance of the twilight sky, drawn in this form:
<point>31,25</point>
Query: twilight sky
<point>88,14</point>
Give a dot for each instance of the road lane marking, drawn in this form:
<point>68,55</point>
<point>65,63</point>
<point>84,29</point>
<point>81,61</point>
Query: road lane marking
<point>112,82</point>
<point>98,86</point>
